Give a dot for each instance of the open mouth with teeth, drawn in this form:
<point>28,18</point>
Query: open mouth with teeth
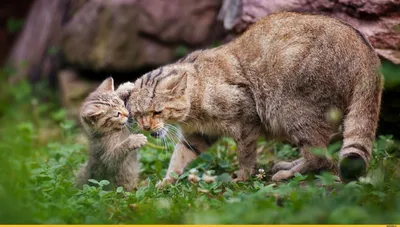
<point>159,133</point>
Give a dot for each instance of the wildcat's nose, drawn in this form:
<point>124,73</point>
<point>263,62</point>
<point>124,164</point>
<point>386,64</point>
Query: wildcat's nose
<point>146,127</point>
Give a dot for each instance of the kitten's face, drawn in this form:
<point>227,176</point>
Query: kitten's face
<point>159,99</point>
<point>103,111</point>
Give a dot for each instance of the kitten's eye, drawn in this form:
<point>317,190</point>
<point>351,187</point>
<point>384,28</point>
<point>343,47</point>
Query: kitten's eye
<point>118,114</point>
<point>157,112</point>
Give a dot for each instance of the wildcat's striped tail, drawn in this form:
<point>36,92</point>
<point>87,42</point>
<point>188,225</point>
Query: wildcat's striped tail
<point>360,125</point>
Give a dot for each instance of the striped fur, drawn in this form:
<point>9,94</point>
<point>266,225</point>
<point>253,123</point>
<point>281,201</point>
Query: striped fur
<point>281,79</point>
<point>112,152</point>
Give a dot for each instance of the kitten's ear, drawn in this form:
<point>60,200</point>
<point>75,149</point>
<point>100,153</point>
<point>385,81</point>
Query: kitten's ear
<point>106,85</point>
<point>91,113</point>
<point>176,84</point>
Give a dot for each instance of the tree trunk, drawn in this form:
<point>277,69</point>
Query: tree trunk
<point>35,54</point>
<point>12,13</point>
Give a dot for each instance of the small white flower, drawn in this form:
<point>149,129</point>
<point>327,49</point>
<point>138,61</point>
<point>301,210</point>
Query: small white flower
<point>194,171</point>
<point>193,178</point>
<point>261,174</point>
<point>164,203</point>
<point>208,179</point>
<point>209,172</point>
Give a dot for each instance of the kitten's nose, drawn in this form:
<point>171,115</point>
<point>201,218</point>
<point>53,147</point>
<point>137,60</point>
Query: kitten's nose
<point>125,113</point>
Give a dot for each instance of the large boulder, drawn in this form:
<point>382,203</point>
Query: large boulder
<point>124,35</point>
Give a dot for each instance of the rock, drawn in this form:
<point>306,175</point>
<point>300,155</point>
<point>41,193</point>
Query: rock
<point>124,35</point>
<point>73,90</point>
<point>188,22</point>
<point>378,20</point>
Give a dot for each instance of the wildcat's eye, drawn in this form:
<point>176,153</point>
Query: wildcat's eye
<point>157,112</point>
<point>118,114</point>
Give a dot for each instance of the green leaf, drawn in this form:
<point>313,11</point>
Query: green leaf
<point>53,50</point>
<point>59,115</point>
<point>224,164</point>
<point>104,182</point>
<point>174,175</point>
<point>225,177</point>
<point>203,184</point>
<point>327,178</point>
<point>140,193</point>
<point>94,181</point>
<point>299,177</point>
<point>184,175</point>
<point>318,151</point>
<point>120,190</point>
<point>181,51</point>
<point>14,25</point>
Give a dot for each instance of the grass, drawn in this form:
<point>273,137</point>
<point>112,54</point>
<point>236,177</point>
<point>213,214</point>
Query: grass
<point>40,150</point>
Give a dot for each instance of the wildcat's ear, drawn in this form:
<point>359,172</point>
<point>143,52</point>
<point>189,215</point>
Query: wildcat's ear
<point>91,113</point>
<point>106,85</point>
<point>176,84</point>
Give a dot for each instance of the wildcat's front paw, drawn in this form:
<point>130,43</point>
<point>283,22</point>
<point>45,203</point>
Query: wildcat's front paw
<point>137,141</point>
<point>241,176</point>
<point>124,90</point>
<point>239,179</point>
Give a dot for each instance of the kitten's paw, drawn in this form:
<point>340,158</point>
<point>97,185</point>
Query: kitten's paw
<point>165,182</point>
<point>137,141</point>
<point>241,176</point>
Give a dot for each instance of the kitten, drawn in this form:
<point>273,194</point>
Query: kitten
<point>280,79</point>
<point>112,154</point>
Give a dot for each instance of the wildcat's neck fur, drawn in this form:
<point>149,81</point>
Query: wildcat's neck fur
<point>219,98</point>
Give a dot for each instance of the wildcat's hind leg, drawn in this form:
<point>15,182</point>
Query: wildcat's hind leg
<point>300,167</point>
<point>306,129</point>
<point>83,175</point>
<point>284,165</point>
<point>309,163</point>
<point>128,173</point>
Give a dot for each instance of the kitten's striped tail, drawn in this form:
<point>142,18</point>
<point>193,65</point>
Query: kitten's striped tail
<point>360,125</point>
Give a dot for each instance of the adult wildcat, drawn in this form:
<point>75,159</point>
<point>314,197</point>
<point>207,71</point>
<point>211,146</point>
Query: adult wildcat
<point>280,78</point>
<point>112,154</point>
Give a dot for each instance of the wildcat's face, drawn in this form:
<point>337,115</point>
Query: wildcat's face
<point>159,99</point>
<point>103,110</point>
